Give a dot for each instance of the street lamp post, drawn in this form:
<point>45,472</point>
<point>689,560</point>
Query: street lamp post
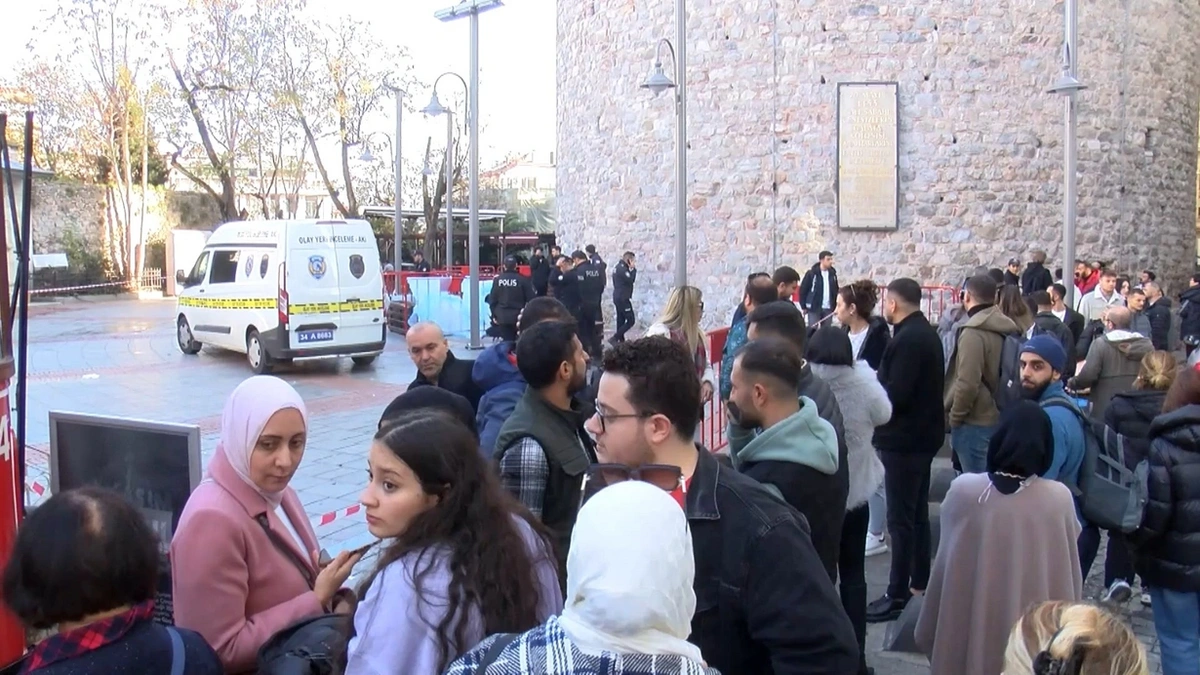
<point>397,218</point>
<point>434,109</point>
<point>1069,86</point>
<point>659,82</point>
<point>472,9</point>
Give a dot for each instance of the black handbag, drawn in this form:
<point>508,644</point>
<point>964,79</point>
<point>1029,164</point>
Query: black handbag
<point>314,646</point>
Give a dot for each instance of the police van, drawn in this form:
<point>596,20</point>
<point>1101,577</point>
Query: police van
<point>280,290</point>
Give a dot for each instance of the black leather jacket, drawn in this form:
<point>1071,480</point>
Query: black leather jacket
<point>764,605</point>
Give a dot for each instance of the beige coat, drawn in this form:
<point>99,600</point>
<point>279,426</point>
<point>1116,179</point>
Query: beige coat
<point>975,368</point>
<point>999,554</point>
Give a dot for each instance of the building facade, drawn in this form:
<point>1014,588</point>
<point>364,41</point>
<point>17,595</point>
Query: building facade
<point>979,138</point>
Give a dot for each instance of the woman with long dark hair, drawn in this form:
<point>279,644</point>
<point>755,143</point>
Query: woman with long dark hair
<point>869,334</point>
<point>465,560</point>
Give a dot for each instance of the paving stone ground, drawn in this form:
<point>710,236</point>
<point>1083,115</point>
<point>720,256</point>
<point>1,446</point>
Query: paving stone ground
<point>118,357</point>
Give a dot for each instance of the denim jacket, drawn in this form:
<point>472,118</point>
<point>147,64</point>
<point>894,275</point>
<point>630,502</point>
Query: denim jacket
<point>764,604</point>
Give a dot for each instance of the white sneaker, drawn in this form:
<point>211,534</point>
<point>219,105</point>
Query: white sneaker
<point>1119,592</point>
<point>876,544</point>
<point>1145,599</point>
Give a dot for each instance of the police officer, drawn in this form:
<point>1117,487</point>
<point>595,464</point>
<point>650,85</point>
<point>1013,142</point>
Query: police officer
<point>539,271</point>
<point>591,288</point>
<point>510,291</point>
<point>564,286</point>
<point>420,264</point>
<point>624,275</point>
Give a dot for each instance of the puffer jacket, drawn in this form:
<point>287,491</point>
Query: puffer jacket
<point>813,387</point>
<point>1130,414</point>
<point>495,372</point>
<point>1169,558</point>
<point>975,368</point>
<point>1110,367</point>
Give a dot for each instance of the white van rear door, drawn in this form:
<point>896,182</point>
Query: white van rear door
<point>312,285</point>
<point>358,272</point>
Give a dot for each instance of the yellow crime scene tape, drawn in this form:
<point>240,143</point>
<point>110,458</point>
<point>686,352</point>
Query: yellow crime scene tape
<point>294,309</point>
<point>228,303</point>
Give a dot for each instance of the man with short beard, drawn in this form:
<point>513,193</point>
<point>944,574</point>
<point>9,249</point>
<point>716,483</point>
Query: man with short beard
<point>543,449</point>
<point>1042,362</point>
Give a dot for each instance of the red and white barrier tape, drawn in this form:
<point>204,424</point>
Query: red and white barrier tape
<point>40,490</point>
<point>84,287</point>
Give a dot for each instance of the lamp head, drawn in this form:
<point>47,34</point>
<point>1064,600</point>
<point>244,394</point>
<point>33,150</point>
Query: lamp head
<point>658,82</point>
<point>366,156</point>
<point>435,106</point>
<point>428,170</point>
<point>1066,84</point>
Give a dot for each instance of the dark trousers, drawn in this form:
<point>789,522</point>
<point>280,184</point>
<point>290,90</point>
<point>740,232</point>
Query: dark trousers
<point>852,579</point>
<point>1118,562</point>
<point>906,482</point>
<point>589,330</point>
<point>625,318</point>
<point>507,331</point>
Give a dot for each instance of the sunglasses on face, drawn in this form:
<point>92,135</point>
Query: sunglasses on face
<point>600,476</point>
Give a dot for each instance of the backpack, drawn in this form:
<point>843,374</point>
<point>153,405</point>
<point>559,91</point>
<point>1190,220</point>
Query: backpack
<point>1110,494</point>
<point>1008,386</point>
<point>313,646</point>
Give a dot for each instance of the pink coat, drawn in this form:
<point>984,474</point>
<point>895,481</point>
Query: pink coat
<point>231,584</point>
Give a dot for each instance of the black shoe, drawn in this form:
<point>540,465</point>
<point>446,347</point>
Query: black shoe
<point>885,609</point>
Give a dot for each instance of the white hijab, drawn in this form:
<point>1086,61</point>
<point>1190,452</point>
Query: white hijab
<point>246,413</point>
<point>629,575</point>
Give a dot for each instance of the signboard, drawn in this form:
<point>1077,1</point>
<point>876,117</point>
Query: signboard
<point>868,178</point>
<point>155,465</point>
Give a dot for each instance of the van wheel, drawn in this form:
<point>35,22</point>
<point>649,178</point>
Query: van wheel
<point>260,361</point>
<point>183,334</point>
<point>364,361</point>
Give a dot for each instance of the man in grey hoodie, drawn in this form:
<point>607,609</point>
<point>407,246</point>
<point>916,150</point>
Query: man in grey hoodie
<point>1112,362</point>
<point>796,452</point>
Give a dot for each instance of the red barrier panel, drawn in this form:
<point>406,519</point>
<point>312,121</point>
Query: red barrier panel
<point>712,427</point>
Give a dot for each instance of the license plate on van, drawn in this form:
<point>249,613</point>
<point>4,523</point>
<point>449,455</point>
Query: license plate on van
<point>310,336</point>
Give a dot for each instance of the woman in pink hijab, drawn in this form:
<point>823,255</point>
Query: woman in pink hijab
<point>244,559</point>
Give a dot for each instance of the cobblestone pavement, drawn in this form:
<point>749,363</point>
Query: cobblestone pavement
<point>119,358</point>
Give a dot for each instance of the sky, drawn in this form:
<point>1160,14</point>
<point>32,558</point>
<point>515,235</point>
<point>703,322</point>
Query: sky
<point>516,56</point>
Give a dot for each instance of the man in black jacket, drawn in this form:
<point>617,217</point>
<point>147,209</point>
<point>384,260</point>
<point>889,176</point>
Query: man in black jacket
<point>1046,322</point>
<point>1012,274</point>
<point>912,373</point>
<point>510,291</point>
<point>420,264</point>
<point>819,289</point>
<point>1189,312</point>
<point>1158,311</point>
<point>591,282</point>
<point>764,605</point>
<point>624,276</point>
<point>436,364</point>
<point>564,285</point>
<point>539,271</point>
<point>1072,319</point>
<point>1036,277</point>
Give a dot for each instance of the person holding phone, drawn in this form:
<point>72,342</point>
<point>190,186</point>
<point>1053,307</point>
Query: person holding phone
<point>244,560</point>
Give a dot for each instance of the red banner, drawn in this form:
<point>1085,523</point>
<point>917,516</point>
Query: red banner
<point>12,494</point>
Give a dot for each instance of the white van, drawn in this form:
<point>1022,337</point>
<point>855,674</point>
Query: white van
<point>279,290</point>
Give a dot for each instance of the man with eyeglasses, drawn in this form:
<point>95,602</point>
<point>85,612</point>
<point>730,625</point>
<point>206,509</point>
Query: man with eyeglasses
<point>542,449</point>
<point>764,603</point>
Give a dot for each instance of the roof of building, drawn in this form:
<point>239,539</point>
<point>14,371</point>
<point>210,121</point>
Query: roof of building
<point>459,212</point>
<point>18,167</point>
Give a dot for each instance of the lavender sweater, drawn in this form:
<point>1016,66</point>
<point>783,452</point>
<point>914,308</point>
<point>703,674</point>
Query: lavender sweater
<point>396,630</point>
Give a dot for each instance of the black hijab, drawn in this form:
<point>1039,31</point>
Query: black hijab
<point>1023,445</point>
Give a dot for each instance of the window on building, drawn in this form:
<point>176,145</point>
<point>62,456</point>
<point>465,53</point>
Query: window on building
<point>529,183</point>
<point>224,267</point>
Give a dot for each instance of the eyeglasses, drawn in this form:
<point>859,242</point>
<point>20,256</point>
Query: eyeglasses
<point>605,417</point>
<point>600,476</point>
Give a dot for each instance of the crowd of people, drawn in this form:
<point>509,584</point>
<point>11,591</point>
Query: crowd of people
<point>546,508</point>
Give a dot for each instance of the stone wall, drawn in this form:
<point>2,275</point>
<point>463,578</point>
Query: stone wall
<point>61,206</point>
<point>980,139</point>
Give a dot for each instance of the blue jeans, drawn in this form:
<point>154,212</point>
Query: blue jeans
<point>970,443</point>
<point>1177,622</point>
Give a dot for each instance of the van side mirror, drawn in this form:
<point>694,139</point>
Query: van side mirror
<point>180,278</point>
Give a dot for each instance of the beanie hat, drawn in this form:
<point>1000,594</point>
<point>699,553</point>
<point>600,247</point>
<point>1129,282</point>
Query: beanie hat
<point>1048,348</point>
<point>424,397</point>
